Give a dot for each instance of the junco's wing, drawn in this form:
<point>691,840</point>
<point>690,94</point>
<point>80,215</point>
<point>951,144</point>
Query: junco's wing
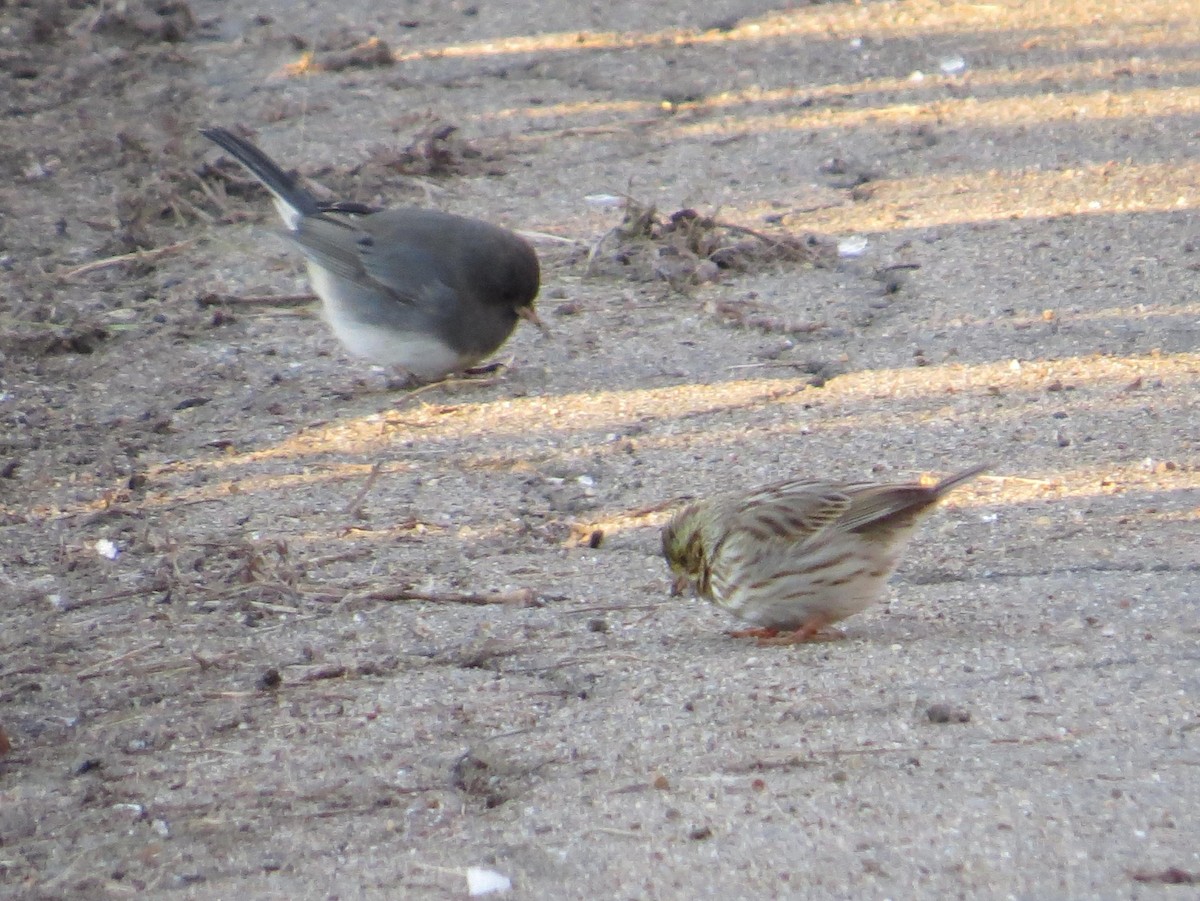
<point>400,272</point>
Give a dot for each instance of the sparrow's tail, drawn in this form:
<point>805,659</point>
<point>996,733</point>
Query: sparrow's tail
<point>292,201</point>
<point>951,482</point>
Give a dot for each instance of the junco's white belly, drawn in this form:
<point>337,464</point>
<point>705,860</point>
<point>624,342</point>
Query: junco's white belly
<point>419,353</point>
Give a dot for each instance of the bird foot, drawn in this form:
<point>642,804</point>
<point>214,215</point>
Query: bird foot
<point>395,380</point>
<point>403,381</point>
<point>806,634</point>
<point>758,633</point>
<point>488,368</point>
<point>469,379</point>
<point>802,636</point>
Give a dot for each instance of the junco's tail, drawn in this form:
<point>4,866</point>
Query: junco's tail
<point>292,201</point>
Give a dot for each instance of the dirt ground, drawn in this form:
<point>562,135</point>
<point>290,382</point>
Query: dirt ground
<point>271,630</point>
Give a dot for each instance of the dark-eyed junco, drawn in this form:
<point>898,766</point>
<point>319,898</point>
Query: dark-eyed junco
<point>425,292</point>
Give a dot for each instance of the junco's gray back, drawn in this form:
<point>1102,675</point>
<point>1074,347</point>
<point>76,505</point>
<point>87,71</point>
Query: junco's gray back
<point>423,291</point>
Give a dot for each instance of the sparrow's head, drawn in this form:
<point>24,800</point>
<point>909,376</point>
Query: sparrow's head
<point>683,546</point>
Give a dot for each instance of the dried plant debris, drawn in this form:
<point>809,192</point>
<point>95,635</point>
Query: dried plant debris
<point>686,248</point>
<point>254,578</point>
<point>228,177</point>
<point>244,572</point>
<point>42,331</point>
<point>749,313</point>
<point>46,22</point>
<point>846,174</point>
<point>341,51</point>
<point>436,151</point>
<point>489,776</point>
<point>481,776</point>
<point>1169,876</point>
<point>136,21</point>
<point>156,192</point>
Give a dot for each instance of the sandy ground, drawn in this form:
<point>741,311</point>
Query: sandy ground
<point>270,630</point>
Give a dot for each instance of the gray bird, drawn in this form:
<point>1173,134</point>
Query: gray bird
<point>423,291</point>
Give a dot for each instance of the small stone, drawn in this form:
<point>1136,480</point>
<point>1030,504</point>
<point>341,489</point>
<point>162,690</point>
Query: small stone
<point>944,713</point>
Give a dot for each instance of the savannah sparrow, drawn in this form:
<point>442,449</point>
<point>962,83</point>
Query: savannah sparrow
<point>797,556</point>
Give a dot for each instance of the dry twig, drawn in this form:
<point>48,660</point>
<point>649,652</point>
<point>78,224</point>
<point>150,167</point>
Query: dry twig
<point>213,299</point>
<point>520,597</point>
<point>138,256</point>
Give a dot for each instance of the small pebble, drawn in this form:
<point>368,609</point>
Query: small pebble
<point>944,713</point>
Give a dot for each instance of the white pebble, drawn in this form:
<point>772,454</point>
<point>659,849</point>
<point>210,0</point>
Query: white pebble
<point>484,882</point>
<point>854,246</point>
<point>603,200</point>
<point>952,65</point>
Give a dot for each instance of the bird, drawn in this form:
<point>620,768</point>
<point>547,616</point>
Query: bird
<point>795,557</point>
<point>425,292</point>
